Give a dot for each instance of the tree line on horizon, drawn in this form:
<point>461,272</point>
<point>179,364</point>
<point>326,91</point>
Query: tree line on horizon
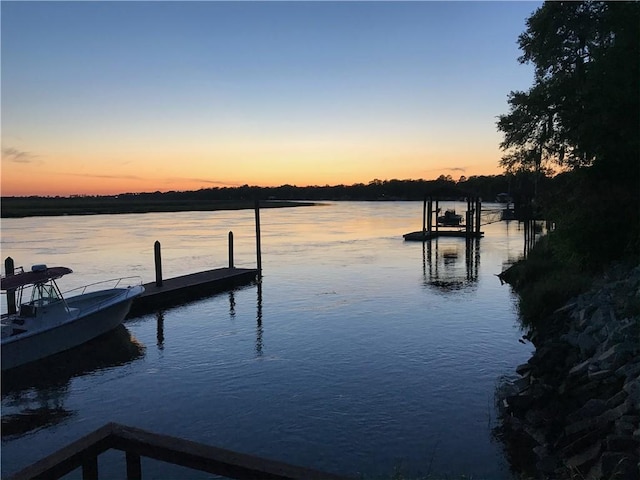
<point>485,186</point>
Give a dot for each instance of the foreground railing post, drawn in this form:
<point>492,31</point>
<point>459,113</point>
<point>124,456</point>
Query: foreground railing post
<point>90,468</point>
<point>134,467</point>
<point>230,249</point>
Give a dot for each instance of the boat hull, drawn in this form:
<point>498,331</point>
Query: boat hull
<point>18,350</point>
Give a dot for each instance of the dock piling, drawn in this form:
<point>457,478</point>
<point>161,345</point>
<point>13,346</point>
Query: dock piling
<point>158,263</point>
<point>230,249</point>
<point>258,248</point>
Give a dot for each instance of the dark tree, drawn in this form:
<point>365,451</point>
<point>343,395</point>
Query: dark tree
<point>583,108</point>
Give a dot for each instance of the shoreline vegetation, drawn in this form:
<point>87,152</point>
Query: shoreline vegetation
<point>573,410</point>
<point>233,198</point>
<point>18,207</point>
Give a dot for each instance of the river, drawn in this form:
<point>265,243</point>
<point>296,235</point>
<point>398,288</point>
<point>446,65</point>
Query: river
<point>361,354</point>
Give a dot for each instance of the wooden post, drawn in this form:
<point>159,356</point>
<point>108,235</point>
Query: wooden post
<point>90,468</point>
<point>424,215</point>
<point>437,212</point>
<point>468,218</point>
<point>258,248</point>
<point>9,269</point>
<point>158,262</point>
<point>478,211</point>
<point>230,249</point>
<point>430,216</point>
<point>134,467</point>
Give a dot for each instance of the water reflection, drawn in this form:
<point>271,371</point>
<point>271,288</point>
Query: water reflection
<point>232,314</point>
<point>33,395</point>
<point>160,329</point>
<point>442,265</point>
<point>259,330</point>
<point>232,305</point>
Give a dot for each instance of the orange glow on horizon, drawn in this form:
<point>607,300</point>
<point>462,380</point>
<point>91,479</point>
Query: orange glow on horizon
<point>70,184</point>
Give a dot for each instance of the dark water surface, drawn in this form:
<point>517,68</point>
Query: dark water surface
<point>360,354</point>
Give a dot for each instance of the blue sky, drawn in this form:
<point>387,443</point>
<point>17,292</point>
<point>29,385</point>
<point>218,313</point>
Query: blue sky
<point>145,96</point>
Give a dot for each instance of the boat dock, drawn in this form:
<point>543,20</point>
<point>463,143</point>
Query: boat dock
<point>173,291</point>
<point>443,227</point>
<point>425,235</point>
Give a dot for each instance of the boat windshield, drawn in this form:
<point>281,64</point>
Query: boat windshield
<point>44,294</point>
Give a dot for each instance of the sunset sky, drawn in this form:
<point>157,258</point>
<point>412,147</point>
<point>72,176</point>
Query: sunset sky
<point>114,97</point>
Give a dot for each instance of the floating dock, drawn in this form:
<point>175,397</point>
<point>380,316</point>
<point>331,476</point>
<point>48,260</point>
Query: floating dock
<point>425,235</point>
<point>173,291</point>
<point>432,227</point>
<point>177,290</point>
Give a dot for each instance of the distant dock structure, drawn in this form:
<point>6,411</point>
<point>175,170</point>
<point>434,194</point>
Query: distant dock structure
<point>448,224</point>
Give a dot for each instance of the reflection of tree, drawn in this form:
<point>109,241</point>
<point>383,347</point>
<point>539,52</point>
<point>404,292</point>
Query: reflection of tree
<point>441,264</point>
<point>33,395</point>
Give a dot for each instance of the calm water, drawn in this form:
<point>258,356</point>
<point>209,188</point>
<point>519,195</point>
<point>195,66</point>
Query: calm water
<point>360,354</point>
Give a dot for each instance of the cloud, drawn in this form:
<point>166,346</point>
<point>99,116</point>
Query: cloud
<point>448,169</point>
<point>17,156</point>
<point>95,175</point>
<point>204,180</point>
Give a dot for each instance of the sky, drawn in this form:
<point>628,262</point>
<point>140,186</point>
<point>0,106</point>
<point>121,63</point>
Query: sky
<point>101,98</point>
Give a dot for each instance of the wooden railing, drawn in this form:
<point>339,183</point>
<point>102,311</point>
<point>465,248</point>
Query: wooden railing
<point>137,443</point>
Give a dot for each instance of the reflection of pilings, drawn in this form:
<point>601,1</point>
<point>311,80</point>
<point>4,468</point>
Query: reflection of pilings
<point>259,330</point>
<point>529,236</point>
<point>431,271</point>
<point>232,305</point>
<point>160,329</point>
<point>472,258</point>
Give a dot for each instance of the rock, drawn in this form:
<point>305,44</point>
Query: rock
<point>534,418</point>
<point>617,412</point>
<point>617,399</point>
<point>583,442</point>
<point>624,428</point>
<point>536,434</point>
<point>632,388</point>
<point>620,443</point>
<point>547,464</point>
<point>587,344</point>
<point>620,466</point>
<point>599,375</point>
<point>592,408</point>
<point>580,426</point>
<point>595,473</point>
<point>629,370</point>
<point>580,369</point>
<point>586,456</point>
<point>519,404</point>
<point>582,408</point>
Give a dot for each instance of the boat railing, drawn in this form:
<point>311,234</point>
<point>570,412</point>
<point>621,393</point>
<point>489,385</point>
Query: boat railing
<point>136,443</point>
<point>121,282</point>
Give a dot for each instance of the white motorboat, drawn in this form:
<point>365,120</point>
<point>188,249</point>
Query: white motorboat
<point>41,321</point>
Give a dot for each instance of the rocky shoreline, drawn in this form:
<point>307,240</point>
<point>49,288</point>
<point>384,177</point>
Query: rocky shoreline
<point>574,409</point>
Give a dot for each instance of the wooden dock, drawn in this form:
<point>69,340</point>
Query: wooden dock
<point>425,235</point>
<point>173,291</point>
<point>433,227</point>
